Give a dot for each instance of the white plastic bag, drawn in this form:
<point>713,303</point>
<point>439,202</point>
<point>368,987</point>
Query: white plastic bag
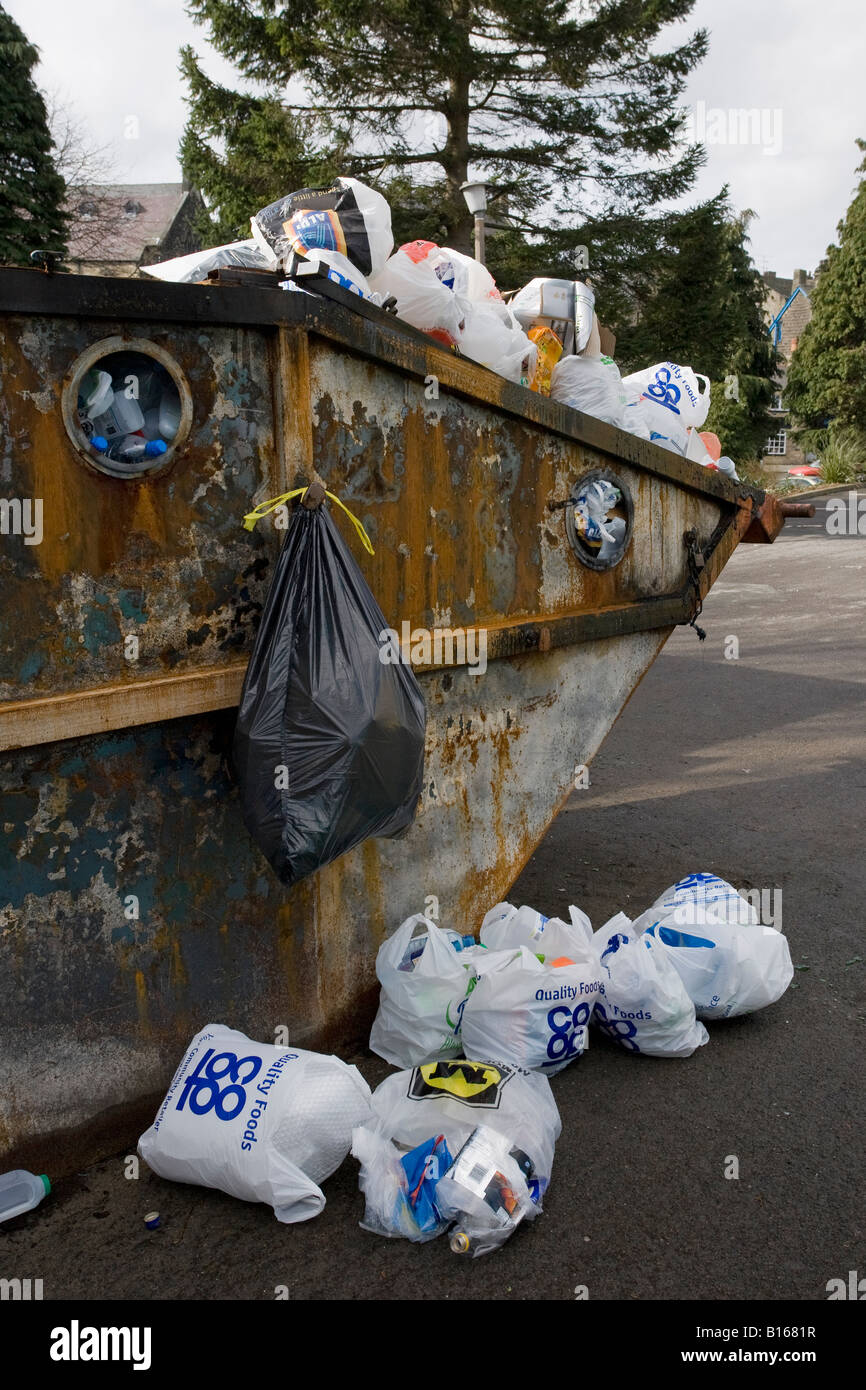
<point>699,899</point>
<point>453,1097</point>
<point>728,962</point>
<point>424,298</point>
<point>726,969</point>
<point>486,1191</point>
<point>347,217</point>
<point>590,384</point>
<point>671,394</point>
<point>390,1206</point>
<point>492,337</point>
<point>196,266</point>
<point>263,1123</point>
<point>507,927</point>
<point>512,1111</point>
<point>420,1007</point>
<point>532,1014</point>
<point>644,1005</point>
<point>643,419</point>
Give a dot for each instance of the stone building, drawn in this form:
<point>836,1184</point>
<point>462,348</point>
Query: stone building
<point>787,308</point>
<point>118,228</point>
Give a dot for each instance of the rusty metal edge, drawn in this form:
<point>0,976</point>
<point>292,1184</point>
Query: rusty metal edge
<point>75,714</point>
<point>364,329</point>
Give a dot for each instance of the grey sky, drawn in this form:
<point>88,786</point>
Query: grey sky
<point>798,63</point>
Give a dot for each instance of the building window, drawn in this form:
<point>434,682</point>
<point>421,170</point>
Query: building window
<point>777,444</point>
<point>777,402</point>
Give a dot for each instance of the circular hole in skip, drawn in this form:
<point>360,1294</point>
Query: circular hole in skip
<point>599,519</point>
<point>127,408</point>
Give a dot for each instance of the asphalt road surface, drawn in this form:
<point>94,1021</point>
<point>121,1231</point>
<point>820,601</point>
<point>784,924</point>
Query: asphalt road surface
<point>752,766</point>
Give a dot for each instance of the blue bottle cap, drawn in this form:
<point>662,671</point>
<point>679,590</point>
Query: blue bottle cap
<point>154,447</point>
<point>99,443</point>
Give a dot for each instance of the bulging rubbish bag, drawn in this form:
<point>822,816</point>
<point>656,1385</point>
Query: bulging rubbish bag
<point>263,1123</point>
<point>347,217</point>
<point>329,743</point>
<point>644,1005</point>
<point>699,899</point>
<point>505,927</point>
<point>531,1013</point>
<point>492,337</point>
<point>455,1102</point>
<point>590,384</point>
<point>729,963</point>
<point>672,397</point>
<point>425,983</point>
<point>422,280</point>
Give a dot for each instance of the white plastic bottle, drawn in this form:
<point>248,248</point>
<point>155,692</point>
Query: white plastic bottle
<point>21,1191</point>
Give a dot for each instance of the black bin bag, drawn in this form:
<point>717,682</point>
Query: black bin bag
<point>329,744</point>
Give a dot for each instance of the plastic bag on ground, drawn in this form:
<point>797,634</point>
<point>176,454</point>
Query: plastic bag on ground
<point>400,1189</point>
<point>452,1098</point>
<point>699,899</point>
<point>729,963</point>
<point>329,742</point>
<point>196,266</point>
<point>506,927</point>
<point>347,217</point>
<point>425,298</point>
<point>486,1192</point>
<point>263,1123</point>
<point>423,994</point>
<point>532,1014</point>
<point>590,384</point>
<point>644,1005</point>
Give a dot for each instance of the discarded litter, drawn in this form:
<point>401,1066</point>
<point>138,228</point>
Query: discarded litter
<point>347,217</point>
<point>425,983</point>
<point>644,1005</point>
<point>329,742</point>
<point>151,1220</point>
<point>21,1191</point>
<point>198,265</point>
<point>590,384</point>
<point>263,1123</point>
<point>531,1013</point>
<point>422,282</point>
<point>729,963</point>
<point>567,307</point>
<point>131,413</point>
<point>486,1192</point>
<point>476,1109</point>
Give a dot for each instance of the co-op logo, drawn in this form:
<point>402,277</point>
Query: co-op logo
<point>203,1088</point>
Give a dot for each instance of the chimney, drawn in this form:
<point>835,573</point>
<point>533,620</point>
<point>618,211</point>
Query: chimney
<point>799,279</point>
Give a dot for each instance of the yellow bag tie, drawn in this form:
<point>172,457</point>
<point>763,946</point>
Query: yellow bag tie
<point>265,508</point>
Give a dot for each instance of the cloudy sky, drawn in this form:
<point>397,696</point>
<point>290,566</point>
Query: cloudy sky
<point>796,63</point>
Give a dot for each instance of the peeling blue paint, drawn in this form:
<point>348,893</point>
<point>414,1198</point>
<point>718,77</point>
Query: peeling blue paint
<point>100,626</point>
